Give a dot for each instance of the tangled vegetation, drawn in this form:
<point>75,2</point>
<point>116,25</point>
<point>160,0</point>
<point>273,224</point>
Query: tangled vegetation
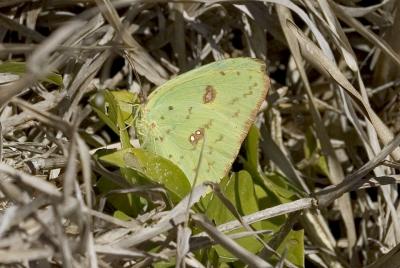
<point>313,184</point>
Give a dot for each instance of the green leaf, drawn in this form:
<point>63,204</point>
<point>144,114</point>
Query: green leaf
<point>145,167</point>
<point>19,68</point>
<point>251,146</point>
<point>165,264</point>
<point>239,190</point>
<point>126,203</point>
<point>294,246</point>
<point>294,241</point>
<point>279,190</point>
<point>121,215</point>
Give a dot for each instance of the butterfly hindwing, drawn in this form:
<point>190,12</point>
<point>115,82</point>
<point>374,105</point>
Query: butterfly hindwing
<point>215,105</point>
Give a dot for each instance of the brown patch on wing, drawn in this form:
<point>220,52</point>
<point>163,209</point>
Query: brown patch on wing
<point>189,112</point>
<point>236,114</point>
<point>196,136</point>
<point>250,92</point>
<point>210,165</point>
<point>220,138</point>
<point>234,100</point>
<point>209,95</point>
<point>254,112</point>
<point>250,120</point>
<point>209,124</point>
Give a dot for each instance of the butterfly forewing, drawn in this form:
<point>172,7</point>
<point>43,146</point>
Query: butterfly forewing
<point>215,105</point>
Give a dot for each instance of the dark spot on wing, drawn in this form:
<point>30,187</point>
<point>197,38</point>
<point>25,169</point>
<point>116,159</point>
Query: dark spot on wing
<point>234,100</point>
<point>210,165</point>
<point>249,93</point>
<point>236,114</point>
<point>220,138</point>
<point>209,95</point>
<point>189,112</point>
<point>208,124</point>
<point>222,72</point>
<point>170,108</point>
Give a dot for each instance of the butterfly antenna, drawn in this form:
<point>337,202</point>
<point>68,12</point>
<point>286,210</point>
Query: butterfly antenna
<point>195,180</point>
<point>142,94</point>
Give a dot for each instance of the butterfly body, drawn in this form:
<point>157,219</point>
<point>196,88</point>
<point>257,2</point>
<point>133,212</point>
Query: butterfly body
<point>215,105</point>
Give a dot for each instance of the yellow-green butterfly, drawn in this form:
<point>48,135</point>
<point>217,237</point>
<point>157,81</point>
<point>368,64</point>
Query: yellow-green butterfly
<point>215,104</point>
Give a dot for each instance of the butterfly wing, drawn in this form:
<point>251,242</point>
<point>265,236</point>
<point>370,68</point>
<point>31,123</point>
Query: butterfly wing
<point>215,105</point>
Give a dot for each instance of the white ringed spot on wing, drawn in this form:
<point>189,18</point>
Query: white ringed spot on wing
<point>196,136</point>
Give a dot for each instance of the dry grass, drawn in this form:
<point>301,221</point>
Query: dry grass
<point>335,84</point>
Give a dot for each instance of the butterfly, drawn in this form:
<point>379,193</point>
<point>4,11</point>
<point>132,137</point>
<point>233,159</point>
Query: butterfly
<point>206,111</point>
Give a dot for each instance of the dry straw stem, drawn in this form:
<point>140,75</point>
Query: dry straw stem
<point>336,171</point>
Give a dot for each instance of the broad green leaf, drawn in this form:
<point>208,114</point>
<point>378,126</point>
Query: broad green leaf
<point>239,189</point>
<point>294,246</point>
<point>126,203</point>
<point>147,167</point>
<point>294,241</point>
<point>278,191</point>
<point>251,145</point>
